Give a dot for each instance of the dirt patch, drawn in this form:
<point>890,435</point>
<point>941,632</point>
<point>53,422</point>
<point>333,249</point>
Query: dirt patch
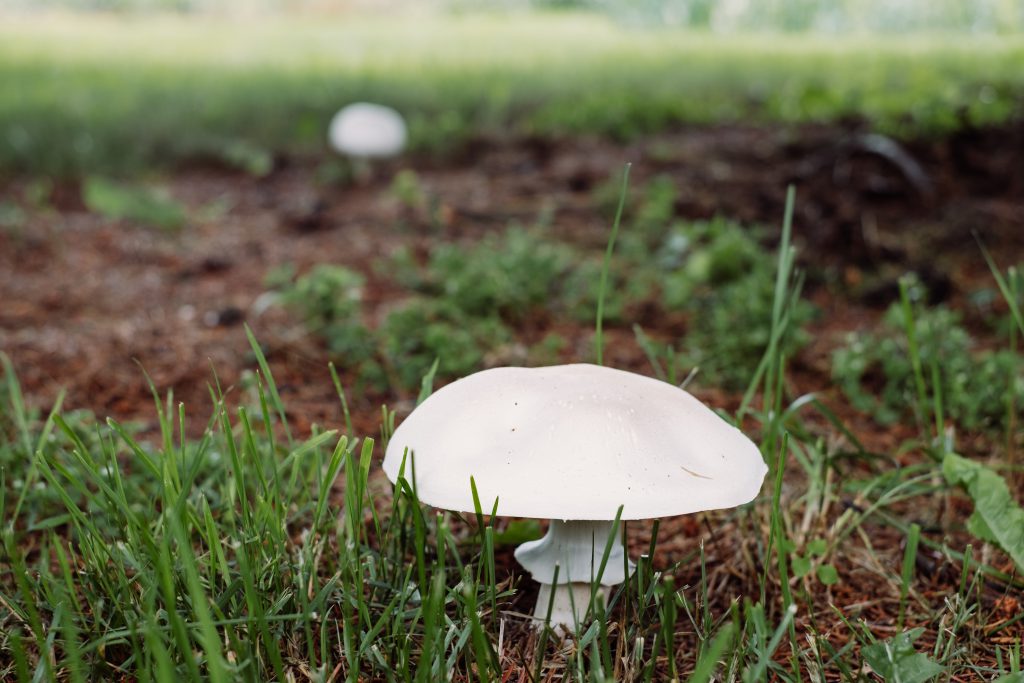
<point>88,303</point>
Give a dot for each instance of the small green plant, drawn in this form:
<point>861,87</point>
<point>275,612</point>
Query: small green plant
<point>408,190</point>
<point>896,659</point>
<point>656,211</point>
<point>876,370</point>
<point>423,330</point>
<point>328,296</point>
<point>510,274</point>
<point>547,351</point>
<point>247,157</point>
<point>578,296</point>
<point>408,341</point>
<point>330,299</point>
<point>997,517</point>
<point>723,279</point>
<point>649,213</point>
<point>135,203</point>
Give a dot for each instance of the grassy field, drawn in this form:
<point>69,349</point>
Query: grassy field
<point>120,94</point>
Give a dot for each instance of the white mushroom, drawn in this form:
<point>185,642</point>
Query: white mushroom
<point>368,131</point>
<point>573,443</point>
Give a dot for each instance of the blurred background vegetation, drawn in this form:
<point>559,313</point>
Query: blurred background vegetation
<point>134,84</point>
<point>783,15</point>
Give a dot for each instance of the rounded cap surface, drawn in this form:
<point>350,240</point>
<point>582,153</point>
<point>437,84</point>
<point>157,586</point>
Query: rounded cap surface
<point>367,130</point>
<point>573,442</point>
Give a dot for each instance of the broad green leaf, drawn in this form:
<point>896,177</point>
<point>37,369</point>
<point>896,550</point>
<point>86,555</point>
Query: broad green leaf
<point>828,575</point>
<point>896,660</point>
<point>817,547</point>
<point>997,517</point>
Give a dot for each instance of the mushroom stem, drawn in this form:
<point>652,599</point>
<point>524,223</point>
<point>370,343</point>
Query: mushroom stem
<point>568,607</point>
<point>576,548</point>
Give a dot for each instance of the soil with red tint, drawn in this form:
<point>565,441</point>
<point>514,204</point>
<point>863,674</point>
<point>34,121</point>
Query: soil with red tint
<point>88,303</point>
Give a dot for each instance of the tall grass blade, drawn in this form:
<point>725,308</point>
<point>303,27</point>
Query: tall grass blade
<point>606,266</point>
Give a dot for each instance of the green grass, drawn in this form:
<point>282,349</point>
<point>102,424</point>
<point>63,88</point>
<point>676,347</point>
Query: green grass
<point>101,94</point>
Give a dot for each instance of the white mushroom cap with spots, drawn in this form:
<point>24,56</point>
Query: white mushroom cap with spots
<point>573,442</point>
<point>368,131</point>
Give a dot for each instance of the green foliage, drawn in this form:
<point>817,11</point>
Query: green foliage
<point>422,330</point>
<point>803,564</point>
<point>328,296</point>
<point>247,157</point>
<point>408,190</point>
<point>330,300</point>
<point>716,273</point>
<point>140,204</point>
<point>129,95</point>
<point>233,557</point>
<point>508,274</point>
<point>411,337</point>
<point>876,371</point>
<point>518,531</point>
<point>896,660</point>
<point>656,210</point>
<point>578,295</point>
<point>997,517</point>
<point>250,554</point>
<point>720,275</point>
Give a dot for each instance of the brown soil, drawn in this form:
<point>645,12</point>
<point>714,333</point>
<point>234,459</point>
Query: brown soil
<point>87,303</point>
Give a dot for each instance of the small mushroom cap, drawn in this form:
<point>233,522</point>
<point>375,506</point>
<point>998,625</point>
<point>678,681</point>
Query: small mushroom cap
<point>367,130</point>
<point>573,442</point>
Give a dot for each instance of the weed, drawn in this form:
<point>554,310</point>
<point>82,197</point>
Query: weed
<point>997,517</point>
<point>876,370</point>
<point>721,276</point>
<point>512,274</point>
<point>329,298</point>
<point>409,339</point>
<point>577,299</point>
<point>408,190</point>
<point>423,330</point>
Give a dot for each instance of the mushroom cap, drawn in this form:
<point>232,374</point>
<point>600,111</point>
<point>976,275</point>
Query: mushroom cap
<point>573,442</point>
<point>367,130</point>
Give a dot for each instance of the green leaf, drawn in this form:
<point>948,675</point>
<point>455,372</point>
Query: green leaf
<point>817,547</point>
<point>801,565</point>
<point>828,575</point>
<point>897,661</point>
<point>997,517</point>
